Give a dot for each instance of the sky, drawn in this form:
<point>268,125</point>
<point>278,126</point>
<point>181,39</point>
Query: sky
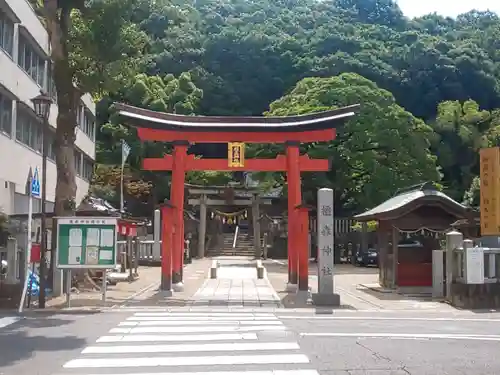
<point>451,8</point>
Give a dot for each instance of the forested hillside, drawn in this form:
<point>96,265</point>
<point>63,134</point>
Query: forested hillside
<point>429,88</point>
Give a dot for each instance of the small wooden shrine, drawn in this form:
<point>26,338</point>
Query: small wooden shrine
<point>410,225</point>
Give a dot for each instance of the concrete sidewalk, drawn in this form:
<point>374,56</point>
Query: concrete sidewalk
<point>236,285</point>
<point>351,284</point>
<point>143,291</point>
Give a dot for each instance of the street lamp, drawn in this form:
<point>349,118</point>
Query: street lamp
<point>42,104</point>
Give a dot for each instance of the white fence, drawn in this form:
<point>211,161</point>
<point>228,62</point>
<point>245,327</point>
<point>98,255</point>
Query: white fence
<point>148,252</point>
<point>488,257</point>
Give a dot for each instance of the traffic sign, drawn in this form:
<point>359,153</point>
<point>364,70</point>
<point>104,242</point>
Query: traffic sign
<point>35,184</point>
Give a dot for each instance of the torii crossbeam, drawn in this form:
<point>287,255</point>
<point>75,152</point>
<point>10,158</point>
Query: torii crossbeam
<point>185,130</point>
<point>279,164</point>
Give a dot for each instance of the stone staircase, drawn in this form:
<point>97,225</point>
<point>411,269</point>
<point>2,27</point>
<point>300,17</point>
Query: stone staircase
<point>244,246</point>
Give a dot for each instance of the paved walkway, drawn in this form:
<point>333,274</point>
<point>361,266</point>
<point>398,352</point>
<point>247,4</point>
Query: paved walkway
<point>236,285</point>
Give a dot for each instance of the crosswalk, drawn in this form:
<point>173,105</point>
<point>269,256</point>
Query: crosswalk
<point>8,320</point>
<point>194,343</point>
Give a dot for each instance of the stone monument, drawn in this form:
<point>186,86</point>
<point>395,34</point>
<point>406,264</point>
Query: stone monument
<point>325,295</point>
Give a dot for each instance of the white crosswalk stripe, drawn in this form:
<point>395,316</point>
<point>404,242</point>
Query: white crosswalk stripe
<point>194,343</point>
<point>8,320</point>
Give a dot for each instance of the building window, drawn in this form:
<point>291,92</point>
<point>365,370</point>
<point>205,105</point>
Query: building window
<point>51,84</point>
<point>52,88</point>
<point>6,34</point>
<point>88,124</point>
<point>29,130</point>
<point>85,121</point>
<point>31,61</point>
<point>79,115</point>
<point>5,115</point>
<point>51,146</point>
<point>88,169</point>
<point>78,162</point>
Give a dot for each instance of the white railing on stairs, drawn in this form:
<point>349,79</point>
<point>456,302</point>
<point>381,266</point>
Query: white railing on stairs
<point>235,238</point>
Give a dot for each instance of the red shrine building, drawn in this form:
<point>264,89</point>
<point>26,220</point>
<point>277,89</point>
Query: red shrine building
<point>182,131</point>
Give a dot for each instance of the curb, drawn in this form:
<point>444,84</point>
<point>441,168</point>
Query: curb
<point>280,262</point>
<point>82,309</point>
<point>136,294</point>
<point>375,289</point>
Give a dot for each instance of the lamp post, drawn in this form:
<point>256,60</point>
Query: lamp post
<point>42,104</point>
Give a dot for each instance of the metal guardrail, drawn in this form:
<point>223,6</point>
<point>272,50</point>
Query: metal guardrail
<point>491,265</point>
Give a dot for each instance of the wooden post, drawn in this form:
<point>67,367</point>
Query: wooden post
<point>256,226</point>
<point>130,252</point>
<point>395,255</point>
<point>137,248</point>
<point>177,199</point>
<point>203,226</point>
<point>294,199</point>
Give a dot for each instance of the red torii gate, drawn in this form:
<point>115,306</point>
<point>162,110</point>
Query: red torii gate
<point>183,130</point>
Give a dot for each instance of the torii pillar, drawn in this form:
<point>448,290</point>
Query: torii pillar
<point>167,225</point>
<point>177,199</point>
<point>294,200</point>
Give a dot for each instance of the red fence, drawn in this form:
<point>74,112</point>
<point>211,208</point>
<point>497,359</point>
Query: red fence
<point>416,274</point>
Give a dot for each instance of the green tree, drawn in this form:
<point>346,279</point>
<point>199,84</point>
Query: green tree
<point>461,130</point>
<point>471,196</point>
<point>382,149</point>
<point>94,49</point>
<point>165,94</point>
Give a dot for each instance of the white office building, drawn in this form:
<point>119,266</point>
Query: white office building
<point>24,71</point>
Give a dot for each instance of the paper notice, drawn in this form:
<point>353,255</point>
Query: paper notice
<point>74,255</point>
<point>93,236</point>
<point>107,238</point>
<point>75,237</point>
<point>106,255</point>
<point>92,255</point>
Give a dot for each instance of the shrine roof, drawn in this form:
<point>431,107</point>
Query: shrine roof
<point>410,199</point>
<point>145,118</point>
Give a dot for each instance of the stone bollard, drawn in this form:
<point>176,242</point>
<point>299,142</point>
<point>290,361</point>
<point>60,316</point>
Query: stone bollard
<point>213,270</point>
<point>260,269</point>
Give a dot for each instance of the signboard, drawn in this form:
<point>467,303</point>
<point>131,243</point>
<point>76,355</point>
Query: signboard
<point>474,265</point>
<point>35,185</point>
<point>236,155</point>
<point>325,241</point>
<point>86,242</point>
<point>490,188</point>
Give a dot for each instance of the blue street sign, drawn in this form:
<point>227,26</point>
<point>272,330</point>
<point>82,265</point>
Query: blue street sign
<point>35,185</point>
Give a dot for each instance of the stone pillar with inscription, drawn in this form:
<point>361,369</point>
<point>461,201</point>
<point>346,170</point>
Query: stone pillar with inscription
<point>325,295</point>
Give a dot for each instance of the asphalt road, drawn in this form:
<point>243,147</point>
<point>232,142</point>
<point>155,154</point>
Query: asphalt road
<point>339,343</point>
<point>399,343</point>
<point>40,344</point>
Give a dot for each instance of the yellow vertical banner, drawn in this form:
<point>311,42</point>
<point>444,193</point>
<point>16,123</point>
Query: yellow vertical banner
<point>490,188</point>
<point>236,154</point>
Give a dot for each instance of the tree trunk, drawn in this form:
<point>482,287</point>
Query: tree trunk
<point>68,97</point>
<point>67,102</point>
<point>57,22</point>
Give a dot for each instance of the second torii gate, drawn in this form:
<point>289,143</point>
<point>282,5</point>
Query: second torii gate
<point>185,130</point>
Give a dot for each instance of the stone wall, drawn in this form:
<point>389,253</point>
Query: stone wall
<point>481,296</point>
